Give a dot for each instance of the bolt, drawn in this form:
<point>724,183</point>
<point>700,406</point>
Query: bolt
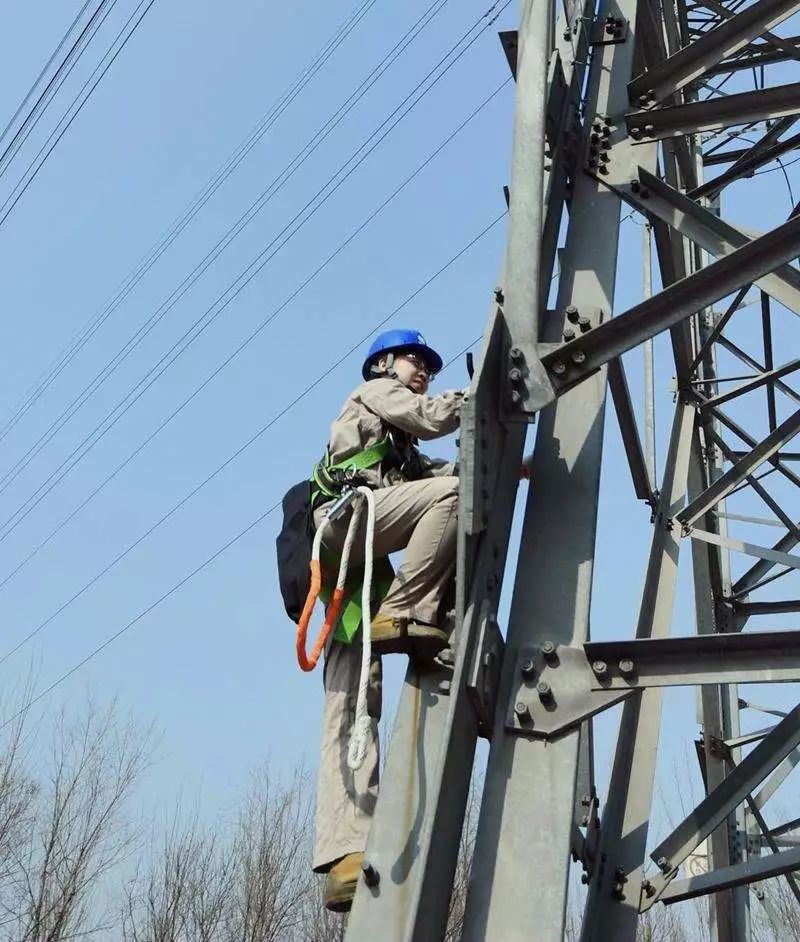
<point>498,295</point>
<point>595,138</point>
<point>606,131</point>
<point>578,356</point>
<point>619,873</point>
<point>558,368</point>
<point>642,101</point>
<point>548,650</point>
<point>567,34</point>
<point>649,889</point>
<point>663,864</point>
<point>444,686</point>
<point>626,667</point>
<point>593,150</point>
<point>447,656</point>
<point>600,668</point>
<point>584,878</point>
<point>516,353</point>
<point>584,323</point>
<point>544,691</point>
<point>609,27</point>
<point>603,169</point>
<point>569,333</point>
<point>649,128</point>
<point>515,375</point>
<point>586,800</point>
<point>635,186</point>
<point>371,875</point>
<point>635,133</point>
<point>651,94</point>
<point>522,711</point>
<point>591,163</point>
<point>527,668</point>
<point>597,126</point>
<point>515,397</point>
<point>572,313</point>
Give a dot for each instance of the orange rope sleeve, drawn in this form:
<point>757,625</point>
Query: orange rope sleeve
<point>305,617</point>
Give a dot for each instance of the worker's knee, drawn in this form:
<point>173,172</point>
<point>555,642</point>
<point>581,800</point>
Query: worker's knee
<point>445,488</point>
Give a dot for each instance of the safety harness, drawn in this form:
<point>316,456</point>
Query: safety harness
<point>329,480</point>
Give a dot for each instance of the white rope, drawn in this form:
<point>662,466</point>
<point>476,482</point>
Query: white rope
<point>362,727</point>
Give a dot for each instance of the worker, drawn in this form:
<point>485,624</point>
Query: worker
<point>375,437</point>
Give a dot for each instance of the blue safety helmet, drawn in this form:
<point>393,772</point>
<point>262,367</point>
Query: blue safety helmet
<point>400,341</point>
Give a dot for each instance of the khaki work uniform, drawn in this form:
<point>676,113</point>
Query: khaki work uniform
<point>418,515</point>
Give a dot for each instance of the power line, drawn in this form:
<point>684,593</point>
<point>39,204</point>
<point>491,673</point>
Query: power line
<point>231,458</point>
<point>58,78</point>
<point>233,290</point>
<point>251,337</point>
<point>170,592</point>
<point>55,136</point>
<point>81,338</point>
<point>250,213</point>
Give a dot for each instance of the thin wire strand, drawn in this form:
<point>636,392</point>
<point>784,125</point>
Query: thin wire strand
<point>248,340</point>
<point>206,319</point>
<point>124,289</point>
<point>222,244</point>
<point>233,457</point>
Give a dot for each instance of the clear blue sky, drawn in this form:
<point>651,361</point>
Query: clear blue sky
<point>214,665</point>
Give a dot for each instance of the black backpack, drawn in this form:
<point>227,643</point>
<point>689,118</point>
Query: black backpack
<point>294,548</point>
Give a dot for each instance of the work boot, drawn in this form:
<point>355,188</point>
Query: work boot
<point>340,886</point>
<point>391,635</point>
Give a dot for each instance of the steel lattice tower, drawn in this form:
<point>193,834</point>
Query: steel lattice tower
<point>613,108</point>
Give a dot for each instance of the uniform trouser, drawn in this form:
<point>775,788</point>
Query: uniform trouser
<point>420,516</point>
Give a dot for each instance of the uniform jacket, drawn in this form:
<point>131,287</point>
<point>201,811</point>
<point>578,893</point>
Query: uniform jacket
<point>382,405</point>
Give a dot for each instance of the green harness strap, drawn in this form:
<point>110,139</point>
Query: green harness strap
<point>324,485</point>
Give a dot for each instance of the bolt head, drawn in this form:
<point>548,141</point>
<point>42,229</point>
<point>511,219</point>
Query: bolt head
<point>572,313</point>
<point>578,357</point>
<point>663,864</point>
<point>548,648</point>
<point>567,34</point>
<point>544,691</point>
<point>522,711</point>
<point>527,667</point>
<point>600,668</point>
<point>626,667</point>
<point>584,878</point>
<point>569,333</point>
<point>559,368</point>
<point>635,133</point>
<point>371,875</point>
<point>516,397</point>
<point>515,353</point>
<point>515,374</point>
<point>498,295</point>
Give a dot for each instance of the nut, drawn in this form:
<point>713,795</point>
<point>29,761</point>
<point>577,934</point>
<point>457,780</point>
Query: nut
<point>600,668</point>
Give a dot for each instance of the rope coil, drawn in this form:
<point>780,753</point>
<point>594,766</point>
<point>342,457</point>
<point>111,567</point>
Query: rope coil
<point>362,725</point>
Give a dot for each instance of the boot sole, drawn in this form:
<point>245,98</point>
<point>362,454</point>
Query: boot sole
<point>418,641</point>
<point>341,899</point>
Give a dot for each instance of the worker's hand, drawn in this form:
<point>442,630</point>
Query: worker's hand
<point>525,470</point>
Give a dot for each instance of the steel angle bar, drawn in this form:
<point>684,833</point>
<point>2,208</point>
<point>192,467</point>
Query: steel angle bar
<point>740,470</point>
<point>528,816</point>
<point>629,430</point>
<point>753,61</point>
<point>750,871</point>
<point>772,843</point>
<point>746,738</point>
<point>766,333</point>
<point>730,793</point>
<point>761,153</point>
<point>763,657</point>
<point>768,608</point>
<point>530,390</point>
<point>746,358</point>
<point>708,230</point>
<point>582,356</point>
<point>712,113</point>
<point>613,902</point>
<point>750,549</point>
<point>414,839</point>
<point>725,40</point>
<point>788,45</point>
<point>788,826</point>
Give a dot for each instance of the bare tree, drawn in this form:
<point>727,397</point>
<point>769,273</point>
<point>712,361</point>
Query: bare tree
<point>249,883</point>
<point>63,828</point>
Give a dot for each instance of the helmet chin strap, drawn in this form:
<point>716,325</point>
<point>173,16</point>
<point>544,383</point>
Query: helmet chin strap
<point>389,371</point>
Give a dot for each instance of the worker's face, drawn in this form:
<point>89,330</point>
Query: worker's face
<point>412,371</point>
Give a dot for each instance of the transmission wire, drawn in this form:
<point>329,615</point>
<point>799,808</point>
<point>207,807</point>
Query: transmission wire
<point>231,458</point>
<point>84,334</point>
<point>255,266</point>
<point>249,339</point>
<point>255,207</point>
